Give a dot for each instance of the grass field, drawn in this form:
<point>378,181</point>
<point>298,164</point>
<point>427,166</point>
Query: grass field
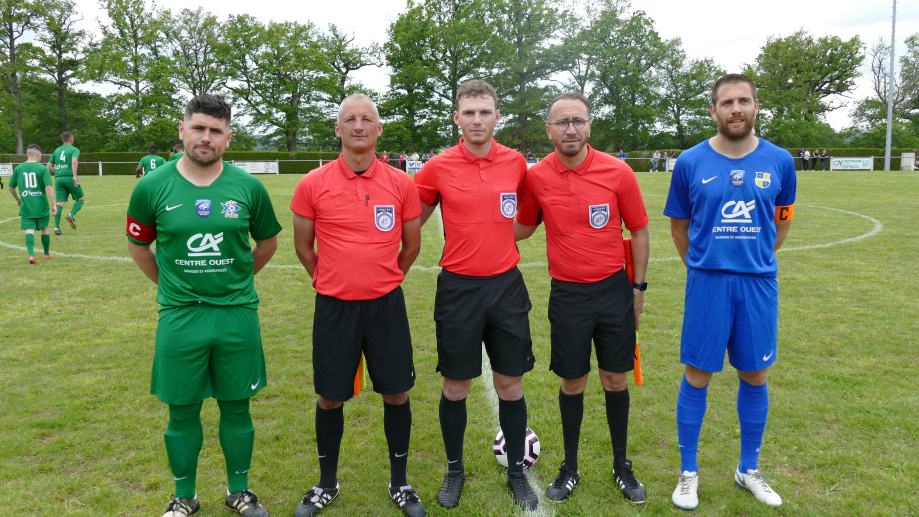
<point>82,436</point>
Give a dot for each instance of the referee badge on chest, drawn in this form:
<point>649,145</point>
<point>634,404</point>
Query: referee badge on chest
<point>385,217</point>
<point>509,205</point>
<point>598,215</point>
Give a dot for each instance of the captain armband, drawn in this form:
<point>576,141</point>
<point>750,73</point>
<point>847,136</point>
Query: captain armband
<point>140,231</point>
<point>784,213</point>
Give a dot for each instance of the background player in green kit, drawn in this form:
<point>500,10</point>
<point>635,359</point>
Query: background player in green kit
<point>201,212</point>
<point>34,182</point>
<point>150,162</point>
<point>178,151</point>
<point>63,164</point>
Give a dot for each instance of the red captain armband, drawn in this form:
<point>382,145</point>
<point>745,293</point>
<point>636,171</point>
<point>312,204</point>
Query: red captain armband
<point>140,231</point>
<point>784,213</point>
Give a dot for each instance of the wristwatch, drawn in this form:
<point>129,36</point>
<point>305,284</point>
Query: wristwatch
<point>641,287</point>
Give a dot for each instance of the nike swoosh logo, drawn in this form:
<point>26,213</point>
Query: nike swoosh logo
<point>548,188</point>
<point>519,463</point>
<point>454,461</point>
<point>401,455</point>
<point>704,181</point>
<point>323,455</point>
<point>256,384</point>
<point>767,357</point>
<point>181,478</point>
<point>169,208</point>
<point>243,472</point>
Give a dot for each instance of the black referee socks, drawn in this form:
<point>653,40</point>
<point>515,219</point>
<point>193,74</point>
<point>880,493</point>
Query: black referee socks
<point>512,415</point>
<point>572,410</point>
<point>330,426</point>
<point>617,416</point>
<point>453,429</point>
<point>397,424</point>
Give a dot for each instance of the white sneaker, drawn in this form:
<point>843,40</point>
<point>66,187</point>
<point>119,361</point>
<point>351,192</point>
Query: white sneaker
<point>754,481</point>
<point>686,494</point>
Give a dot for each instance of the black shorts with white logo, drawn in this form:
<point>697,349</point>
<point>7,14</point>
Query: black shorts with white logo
<point>600,311</point>
<point>379,328</point>
<point>470,310</point>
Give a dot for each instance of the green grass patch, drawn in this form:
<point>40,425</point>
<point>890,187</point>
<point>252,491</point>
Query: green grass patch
<point>82,436</point>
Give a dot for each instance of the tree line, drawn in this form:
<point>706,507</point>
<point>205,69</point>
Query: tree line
<point>286,78</point>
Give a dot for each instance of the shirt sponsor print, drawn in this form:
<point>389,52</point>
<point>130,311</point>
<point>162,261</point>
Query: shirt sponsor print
<point>384,216</point>
<point>598,215</point>
<point>509,205</point>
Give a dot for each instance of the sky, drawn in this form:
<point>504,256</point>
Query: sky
<point>726,31</point>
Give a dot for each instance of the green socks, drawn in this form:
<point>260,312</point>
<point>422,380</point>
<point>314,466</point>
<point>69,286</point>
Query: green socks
<point>46,243</point>
<point>30,244</point>
<point>237,437</point>
<point>184,437</point>
<point>57,216</point>
<point>76,208</point>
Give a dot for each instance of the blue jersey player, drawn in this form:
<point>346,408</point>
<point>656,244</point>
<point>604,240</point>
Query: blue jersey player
<point>731,202</point>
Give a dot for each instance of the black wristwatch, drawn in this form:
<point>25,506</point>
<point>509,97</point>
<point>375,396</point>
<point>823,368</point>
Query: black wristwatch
<point>641,287</point>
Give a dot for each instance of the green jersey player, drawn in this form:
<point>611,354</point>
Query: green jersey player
<point>150,162</point>
<point>34,182</point>
<point>201,212</point>
<point>63,164</point>
<point>178,151</point>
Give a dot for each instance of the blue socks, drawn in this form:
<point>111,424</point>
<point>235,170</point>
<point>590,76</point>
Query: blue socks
<point>690,412</point>
<point>752,411</point>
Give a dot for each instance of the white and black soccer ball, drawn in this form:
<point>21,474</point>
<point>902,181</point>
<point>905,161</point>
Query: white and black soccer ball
<point>530,452</point>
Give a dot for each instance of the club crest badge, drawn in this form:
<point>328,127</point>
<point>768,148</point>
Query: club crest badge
<point>737,178</point>
<point>385,217</point>
<point>203,207</point>
<point>763,179</point>
<point>509,205</point>
<point>598,215</point>
<point>230,208</point>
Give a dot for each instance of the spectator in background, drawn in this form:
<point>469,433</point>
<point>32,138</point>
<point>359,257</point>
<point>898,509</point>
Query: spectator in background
<point>654,159</point>
<point>384,157</point>
<point>823,158</point>
<point>814,159</point>
<point>805,158</point>
<point>415,156</point>
<point>621,155</point>
<point>801,158</point>
<point>402,159</point>
<point>531,158</point>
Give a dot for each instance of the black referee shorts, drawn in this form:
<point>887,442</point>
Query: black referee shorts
<point>344,328</point>
<point>470,310</point>
<point>600,311</point>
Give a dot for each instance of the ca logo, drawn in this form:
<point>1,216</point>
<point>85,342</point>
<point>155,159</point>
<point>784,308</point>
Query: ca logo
<point>207,242</point>
<point>740,213</point>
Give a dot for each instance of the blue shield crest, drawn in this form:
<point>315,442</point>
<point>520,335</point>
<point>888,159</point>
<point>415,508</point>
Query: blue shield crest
<point>737,178</point>
<point>384,216</point>
<point>763,179</point>
<point>203,207</point>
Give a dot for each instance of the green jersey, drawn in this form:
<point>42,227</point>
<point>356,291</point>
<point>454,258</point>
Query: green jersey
<point>151,162</point>
<point>62,159</point>
<point>202,234</point>
<point>176,157</point>
<point>31,178</point>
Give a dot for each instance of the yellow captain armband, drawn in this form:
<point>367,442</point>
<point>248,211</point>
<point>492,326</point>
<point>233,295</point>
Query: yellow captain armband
<point>784,213</point>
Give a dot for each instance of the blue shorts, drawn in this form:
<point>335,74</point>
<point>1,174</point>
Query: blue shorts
<point>727,311</point>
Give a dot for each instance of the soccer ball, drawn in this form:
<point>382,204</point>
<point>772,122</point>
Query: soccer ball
<point>530,452</point>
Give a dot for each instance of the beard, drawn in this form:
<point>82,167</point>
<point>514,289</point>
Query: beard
<point>572,148</point>
<point>200,161</point>
<point>738,134</point>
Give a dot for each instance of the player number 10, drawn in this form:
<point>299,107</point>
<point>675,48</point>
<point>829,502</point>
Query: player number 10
<point>30,180</point>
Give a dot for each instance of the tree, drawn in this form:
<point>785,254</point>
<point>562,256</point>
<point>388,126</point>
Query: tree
<point>131,57</point>
<point>685,95</point>
<point>525,57</point>
<point>63,46</point>
<point>278,72</point>
<point>799,79</point>
<point>191,38</point>
<point>17,19</point>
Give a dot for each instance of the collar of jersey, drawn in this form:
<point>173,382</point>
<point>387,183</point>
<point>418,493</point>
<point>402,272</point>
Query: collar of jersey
<point>473,158</point>
<point>350,174</point>
<point>580,170</point>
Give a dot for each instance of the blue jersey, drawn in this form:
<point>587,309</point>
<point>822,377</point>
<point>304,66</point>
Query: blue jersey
<point>731,204</point>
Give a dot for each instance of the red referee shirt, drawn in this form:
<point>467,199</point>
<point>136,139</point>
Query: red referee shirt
<point>582,209</point>
<point>358,222</point>
<point>478,199</point>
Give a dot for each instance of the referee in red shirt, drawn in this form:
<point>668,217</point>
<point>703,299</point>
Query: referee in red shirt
<point>359,210</point>
<point>481,296</point>
<point>582,194</point>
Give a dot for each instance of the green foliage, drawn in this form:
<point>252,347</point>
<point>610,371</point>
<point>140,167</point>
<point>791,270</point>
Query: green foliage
<point>685,99</point>
<point>191,38</point>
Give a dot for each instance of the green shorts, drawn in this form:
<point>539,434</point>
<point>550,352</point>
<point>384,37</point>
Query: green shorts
<point>34,223</point>
<point>64,186</point>
<point>204,351</point>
